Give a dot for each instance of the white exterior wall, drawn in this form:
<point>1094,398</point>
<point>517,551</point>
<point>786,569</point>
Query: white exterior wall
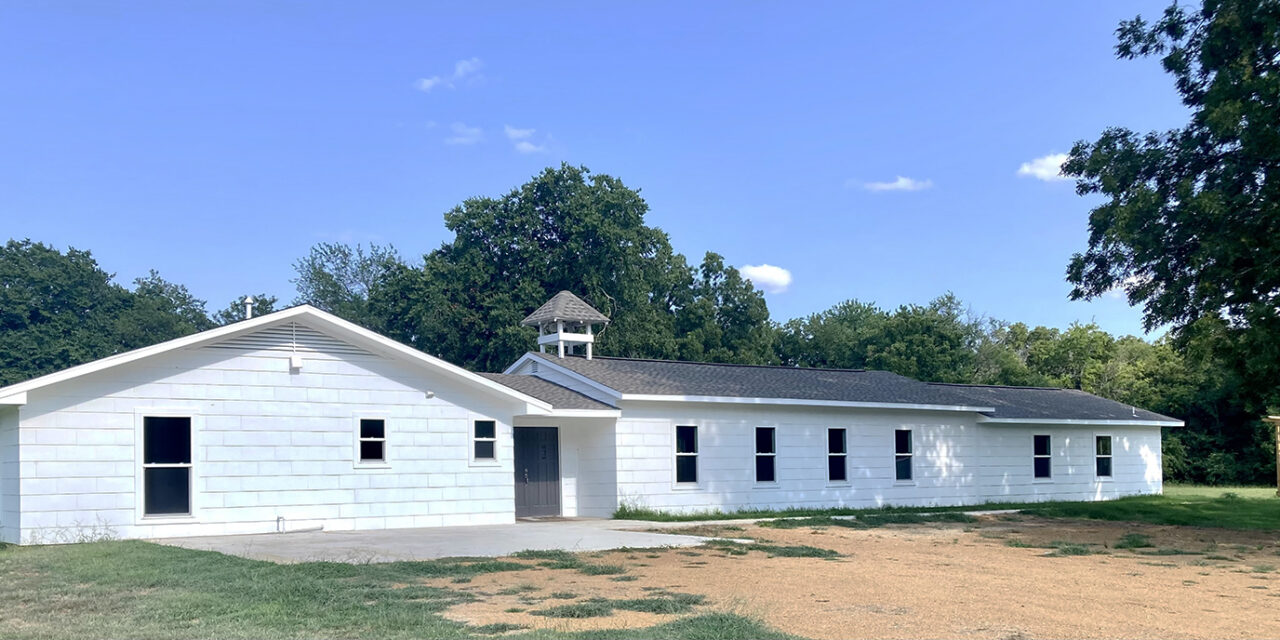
<point>956,461</point>
<point>588,463</point>
<point>9,509</point>
<point>268,443</point>
<point>1008,472</point>
<point>944,469</point>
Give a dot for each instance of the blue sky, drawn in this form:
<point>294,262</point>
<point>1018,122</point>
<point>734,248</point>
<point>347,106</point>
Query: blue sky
<point>217,142</point>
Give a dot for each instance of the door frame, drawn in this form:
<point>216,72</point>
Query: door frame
<point>559,471</point>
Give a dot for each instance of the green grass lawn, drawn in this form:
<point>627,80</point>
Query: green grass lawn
<point>1226,507</point>
<point>133,589</point>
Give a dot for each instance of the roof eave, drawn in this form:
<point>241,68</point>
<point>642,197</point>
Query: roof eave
<point>1083,421</point>
<point>899,406</point>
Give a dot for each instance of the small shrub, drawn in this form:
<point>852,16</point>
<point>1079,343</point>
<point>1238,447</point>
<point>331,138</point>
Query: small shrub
<point>1134,541</point>
<point>594,608</point>
<point>601,569</point>
<point>1064,549</point>
<point>514,610</point>
<point>563,595</point>
<point>1263,568</point>
<point>497,627</point>
<point>518,589</point>
<point>624,578</point>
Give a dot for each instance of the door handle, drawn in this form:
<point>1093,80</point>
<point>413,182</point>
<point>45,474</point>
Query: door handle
<point>526,476</point>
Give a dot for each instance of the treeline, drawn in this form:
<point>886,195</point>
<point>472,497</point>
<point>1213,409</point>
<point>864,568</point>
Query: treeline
<point>569,229</point>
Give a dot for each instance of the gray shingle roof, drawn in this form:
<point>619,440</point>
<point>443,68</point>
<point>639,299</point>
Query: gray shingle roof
<point>564,306</point>
<point>559,397</point>
<point>668,377</point>
<point>1049,403</point>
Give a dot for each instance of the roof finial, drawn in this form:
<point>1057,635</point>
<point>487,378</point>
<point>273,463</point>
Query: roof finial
<point>248,307</point>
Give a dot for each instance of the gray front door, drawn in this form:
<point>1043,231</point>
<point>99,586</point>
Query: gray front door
<point>537,471</point>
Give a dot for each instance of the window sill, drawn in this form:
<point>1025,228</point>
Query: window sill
<point>1042,481</point>
<point>904,483</point>
<point>685,486</point>
<point>484,463</point>
<point>371,465</point>
<point>839,484</point>
<point>167,519</point>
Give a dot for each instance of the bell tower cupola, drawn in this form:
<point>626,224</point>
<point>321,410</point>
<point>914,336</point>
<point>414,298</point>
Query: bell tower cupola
<point>565,321</point>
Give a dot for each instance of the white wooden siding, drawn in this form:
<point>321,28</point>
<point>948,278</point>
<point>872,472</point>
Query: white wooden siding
<point>9,499</point>
<point>269,443</point>
<point>588,464</point>
<point>956,461</point>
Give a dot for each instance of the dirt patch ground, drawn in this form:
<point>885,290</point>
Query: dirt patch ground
<point>1001,577</point>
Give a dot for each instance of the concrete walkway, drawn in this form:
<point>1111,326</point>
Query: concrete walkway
<point>389,545</point>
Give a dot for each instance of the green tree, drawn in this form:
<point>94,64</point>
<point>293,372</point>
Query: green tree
<point>234,311</point>
<point>337,278</point>
<point>1189,225</point>
<point>725,318</point>
<point>565,229</point>
<point>157,311</point>
<point>56,310</point>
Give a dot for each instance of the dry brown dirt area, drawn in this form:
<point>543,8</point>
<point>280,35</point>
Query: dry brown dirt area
<point>1000,577</point>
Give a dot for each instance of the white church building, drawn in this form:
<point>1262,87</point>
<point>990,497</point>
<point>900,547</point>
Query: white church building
<point>299,419</point>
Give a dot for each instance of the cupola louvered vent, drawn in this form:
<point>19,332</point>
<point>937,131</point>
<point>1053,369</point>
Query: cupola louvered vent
<point>290,338</point>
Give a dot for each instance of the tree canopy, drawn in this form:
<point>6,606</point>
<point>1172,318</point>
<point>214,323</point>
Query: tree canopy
<point>1189,226</point>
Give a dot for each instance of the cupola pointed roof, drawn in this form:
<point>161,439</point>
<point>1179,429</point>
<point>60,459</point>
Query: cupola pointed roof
<point>567,307</point>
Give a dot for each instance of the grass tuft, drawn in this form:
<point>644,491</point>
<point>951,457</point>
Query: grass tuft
<point>1134,541</point>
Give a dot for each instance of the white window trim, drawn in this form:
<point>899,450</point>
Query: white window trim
<point>385,462</point>
<point>911,455</point>
<point>140,494</point>
<point>1111,456</point>
<point>697,463</point>
<point>496,460</point>
<point>774,455</point>
<point>1035,456</point>
<point>845,455</point>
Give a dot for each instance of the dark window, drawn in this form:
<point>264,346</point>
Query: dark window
<point>766,454</point>
<point>1042,456</point>
<point>1103,456</point>
<point>686,454</point>
<point>486,439</point>
<point>837,455</point>
<point>902,454</point>
<point>166,466</point>
<point>373,440</point>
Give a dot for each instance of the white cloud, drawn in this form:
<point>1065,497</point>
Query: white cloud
<point>461,69</point>
<point>517,134</point>
<point>902,183</point>
<point>521,139</point>
<point>427,84</point>
<point>1048,168</point>
<point>464,68</point>
<point>766,276</point>
<point>524,146</point>
<point>462,134</point>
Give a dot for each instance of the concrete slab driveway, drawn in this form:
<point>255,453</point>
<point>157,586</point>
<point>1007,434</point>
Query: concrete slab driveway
<point>389,545</point>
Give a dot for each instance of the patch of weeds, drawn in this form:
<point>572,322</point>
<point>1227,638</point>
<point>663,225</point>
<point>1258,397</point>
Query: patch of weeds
<point>1169,551</point>
<point>593,608</point>
<point>1166,565</point>
<point>497,627</point>
<point>653,555</point>
<point>624,578</point>
<point>544,554</point>
<point>1134,541</point>
<point>662,602</point>
<point>1018,543</point>
<point>1188,583</point>
<point>868,520</point>
<point>1220,557</point>
<point>564,595</point>
<point>519,589</point>
<point>601,569</point>
<point>514,610</point>
<point>1263,568</point>
<point>692,554</point>
<point>1010,517</point>
<point>772,550</point>
<point>1065,549</point>
<point>1199,562</point>
<point>1257,586</point>
<point>461,580</point>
